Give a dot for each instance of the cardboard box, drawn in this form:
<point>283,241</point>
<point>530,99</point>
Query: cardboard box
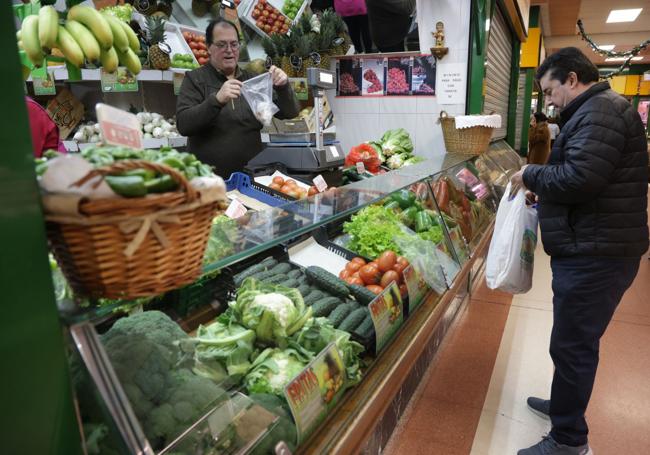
<point>66,111</point>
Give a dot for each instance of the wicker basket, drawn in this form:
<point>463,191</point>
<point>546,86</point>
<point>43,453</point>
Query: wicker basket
<point>468,141</point>
<point>132,247</point>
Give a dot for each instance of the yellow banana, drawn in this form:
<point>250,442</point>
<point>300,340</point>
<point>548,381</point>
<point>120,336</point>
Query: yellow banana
<point>31,43</point>
<point>130,60</point>
<point>84,39</point>
<point>109,60</point>
<point>70,48</point>
<point>134,42</point>
<point>48,27</point>
<point>120,40</point>
<point>95,22</point>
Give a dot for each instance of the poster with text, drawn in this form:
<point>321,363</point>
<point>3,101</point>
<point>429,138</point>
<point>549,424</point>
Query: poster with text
<point>350,77</point>
<point>423,75</point>
<point>373,76</point>
<point>398,78</point>
<point>387,313</point>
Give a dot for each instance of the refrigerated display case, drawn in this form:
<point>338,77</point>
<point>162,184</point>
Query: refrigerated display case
<point>139,389</point>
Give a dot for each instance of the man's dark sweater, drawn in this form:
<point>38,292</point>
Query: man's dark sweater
<point>227,136</point>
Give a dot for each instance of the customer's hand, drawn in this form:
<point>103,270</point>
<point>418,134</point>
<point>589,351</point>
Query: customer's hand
<point>279,77</point>
<point>517,181</point>
<point>531,198</point>
<point>230,90</point>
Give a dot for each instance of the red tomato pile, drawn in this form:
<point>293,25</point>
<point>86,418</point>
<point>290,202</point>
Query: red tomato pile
<point>196,42</point>
<point>378,274</point>
<point>269,19</point>
<point>291,188</point>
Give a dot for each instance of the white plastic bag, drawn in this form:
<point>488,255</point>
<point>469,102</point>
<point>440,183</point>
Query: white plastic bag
<point>258,92</point>
<point>509,264</point>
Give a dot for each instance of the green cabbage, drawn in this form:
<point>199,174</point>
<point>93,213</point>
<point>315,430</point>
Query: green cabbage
<point>273,369</point>
<point>396,141</point>
<point>413,160</point>
<point>396,161</point>
<point>273,312</point>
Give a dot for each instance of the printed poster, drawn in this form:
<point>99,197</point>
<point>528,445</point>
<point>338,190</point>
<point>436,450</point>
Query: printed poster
<point>316,390</point>
<point>373,76</point>
<point>349,77</point>
<point>398,76</point>
<point>122,80</point>
<point>417,287</point>
<point>300,88</point>
<point>423,75</point>
<point>387,314</point>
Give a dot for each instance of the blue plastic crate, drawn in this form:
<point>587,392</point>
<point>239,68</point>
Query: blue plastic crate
<point>242,183</point>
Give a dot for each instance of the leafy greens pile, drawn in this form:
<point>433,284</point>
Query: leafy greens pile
<point>372,231</point>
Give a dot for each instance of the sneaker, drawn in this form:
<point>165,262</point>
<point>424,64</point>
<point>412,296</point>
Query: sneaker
<point>539,406</point>
<point>548,446</point>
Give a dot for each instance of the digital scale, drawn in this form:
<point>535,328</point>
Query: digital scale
<point>302,152</point>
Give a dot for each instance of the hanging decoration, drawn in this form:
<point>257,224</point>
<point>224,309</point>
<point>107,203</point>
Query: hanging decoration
<point>628,55</point>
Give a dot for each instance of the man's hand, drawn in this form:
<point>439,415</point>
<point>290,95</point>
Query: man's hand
<point>517,181</point>
<point>230,90</point>
<point>531,198</point>
<point>279,77</point>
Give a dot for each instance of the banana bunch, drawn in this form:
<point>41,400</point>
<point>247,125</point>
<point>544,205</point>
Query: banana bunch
<point>87,35</point>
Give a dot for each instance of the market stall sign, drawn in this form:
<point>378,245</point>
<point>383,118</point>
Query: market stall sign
<point>417,287</point>
<point>43,84</point>
<point>121,80</point>
<point>320,183</point>
<point>387,312</point>
<point>451,83</point>
<point>119,127</point>
<point>316,390</point>
<point>177,81</point>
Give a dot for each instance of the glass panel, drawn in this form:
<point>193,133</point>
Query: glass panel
<point>503,155</point>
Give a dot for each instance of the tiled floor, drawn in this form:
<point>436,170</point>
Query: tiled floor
<point>474,398</point>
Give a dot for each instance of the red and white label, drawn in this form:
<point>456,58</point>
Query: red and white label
<point>236,209</point>
<point>320,183</point>
<point>119,127</point>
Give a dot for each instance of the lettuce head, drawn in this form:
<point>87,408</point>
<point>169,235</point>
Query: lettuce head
<point>396,141</point>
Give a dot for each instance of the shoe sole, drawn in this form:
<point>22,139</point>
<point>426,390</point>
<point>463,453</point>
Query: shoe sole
<point>544,416</point>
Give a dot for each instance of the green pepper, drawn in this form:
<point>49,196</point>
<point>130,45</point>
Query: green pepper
<point>423,222</point>
<point>127,185</point>
<point>161,184</point>
<point>409,216</point>
<point>391,205</point>
<point>146,174</point>
<point>174,162</point>
<point>404,198</point>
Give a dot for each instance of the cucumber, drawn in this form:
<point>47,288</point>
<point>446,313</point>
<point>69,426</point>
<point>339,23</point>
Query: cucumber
<point>295,273</point>
<point>366,329</point>
<point>325,306</point>
<point>257,268</point>
<point>262,276</point>
<point>313,297</point>
<point>290,283</point>
<point>327,281</point>
<point>363,295</point>
<point>340,313</point>
<point>282,268</point>
<point>275,278</point>
<point>304,289</point>
<point>353,320</point>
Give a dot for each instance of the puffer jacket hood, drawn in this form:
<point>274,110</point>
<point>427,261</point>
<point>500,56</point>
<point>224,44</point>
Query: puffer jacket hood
<point>593,193</point>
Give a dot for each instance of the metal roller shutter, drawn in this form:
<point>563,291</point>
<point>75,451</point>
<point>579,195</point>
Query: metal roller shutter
<point>498,70</point>
<point>521,88</point>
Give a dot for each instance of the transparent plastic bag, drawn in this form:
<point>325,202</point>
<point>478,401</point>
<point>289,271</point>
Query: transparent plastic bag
<point>510,260</point>
<point>258,92</point>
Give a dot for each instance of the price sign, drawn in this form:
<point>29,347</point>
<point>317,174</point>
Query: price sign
<point>43,84</point>
<point>177,80</point>
<point>320,183</point>
<point>236,209</point>
<point>119,127</point>
<point>316,390</point>
<point>361,168</point>
<point>121,80</point>
<point>416,286</point>
<point>387,312</point>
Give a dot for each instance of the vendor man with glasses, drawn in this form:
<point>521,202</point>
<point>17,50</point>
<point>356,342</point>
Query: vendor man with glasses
<point>221,128</point>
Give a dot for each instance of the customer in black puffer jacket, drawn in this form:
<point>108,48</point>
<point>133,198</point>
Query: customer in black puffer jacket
<point>593,217</point>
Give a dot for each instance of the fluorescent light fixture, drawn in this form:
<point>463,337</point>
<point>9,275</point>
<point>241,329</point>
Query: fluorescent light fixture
<point>623,15</point>
<point>636,59</point>
<point>487,25</point>
<point>615,59</point>
<point>607,47</point>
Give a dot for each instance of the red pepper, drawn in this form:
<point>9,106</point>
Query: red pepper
<point>366,154</point>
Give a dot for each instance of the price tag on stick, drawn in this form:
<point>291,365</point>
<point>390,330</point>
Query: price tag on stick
<point>119,127</point>
<point>236,209</point>
<point>361,168</point>
<point>320,183</point>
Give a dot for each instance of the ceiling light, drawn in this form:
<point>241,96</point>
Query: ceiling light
<point>615,59</point>
<point>623,15</point>
<point>607,47</point>
<point>487,25</point>
<point>636,59</point>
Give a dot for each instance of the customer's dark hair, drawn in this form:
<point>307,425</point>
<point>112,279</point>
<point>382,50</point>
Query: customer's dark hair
<point>566,60</point>
<point>541,117</point>
<point>213,23</point>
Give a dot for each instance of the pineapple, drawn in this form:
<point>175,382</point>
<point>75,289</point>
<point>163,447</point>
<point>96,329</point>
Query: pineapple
<point>158,50</point>
<point>269,47</point>
<point>303,50</point>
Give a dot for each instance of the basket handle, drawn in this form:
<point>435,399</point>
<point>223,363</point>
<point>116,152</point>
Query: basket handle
<point>443,114</point>
<point>128,165</point>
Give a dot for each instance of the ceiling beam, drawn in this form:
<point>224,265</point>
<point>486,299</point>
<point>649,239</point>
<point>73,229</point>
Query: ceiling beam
<point>628,38</point>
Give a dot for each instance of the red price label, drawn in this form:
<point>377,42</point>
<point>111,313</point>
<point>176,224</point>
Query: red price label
<point>121,135</point>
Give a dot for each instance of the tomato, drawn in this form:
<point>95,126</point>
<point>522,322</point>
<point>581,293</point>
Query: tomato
<point>275,186</point>
<point>275,29</point>
<point>294,194</point>
<point>370,274</point>
<point>399,268</point>
<point>403,260</point>
<point>267,28</point>
<point>361,261</point>
<point>353,266</point>
<point>291,181</point>
<point>387,260</point>
<point>261,2</point>
<point>265,13</point>
<point>354,280</point>
<point>274,16</point>
<point>279,180</point>
<point>187,36</point>
<point>403,290</point>
<point>375,289</point>
<point>200,38</point>
<point>344,274</point>
<point>388,278</point>
<point>356,275</point>
<point>203,60</point>
<point>374,264</point>
<point>286,188</point>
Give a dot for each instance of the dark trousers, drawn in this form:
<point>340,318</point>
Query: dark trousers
<point>359,30</point>
<point>586,291</point>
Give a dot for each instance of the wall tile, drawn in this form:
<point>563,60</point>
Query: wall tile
<point>427,105</point>
<point>429,141</point>
<point>363,105</point>
<point>352,129</point>
<point>397,105</point>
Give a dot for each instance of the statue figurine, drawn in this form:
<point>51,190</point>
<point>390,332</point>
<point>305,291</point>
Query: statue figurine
<point>439,34</point>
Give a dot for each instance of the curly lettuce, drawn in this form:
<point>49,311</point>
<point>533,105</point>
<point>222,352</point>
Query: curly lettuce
<point>372,231</point>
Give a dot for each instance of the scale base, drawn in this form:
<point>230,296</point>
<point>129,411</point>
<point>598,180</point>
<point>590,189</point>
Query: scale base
<point>304,158</point>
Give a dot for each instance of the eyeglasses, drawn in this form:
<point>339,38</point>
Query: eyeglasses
<point>222,45</point>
